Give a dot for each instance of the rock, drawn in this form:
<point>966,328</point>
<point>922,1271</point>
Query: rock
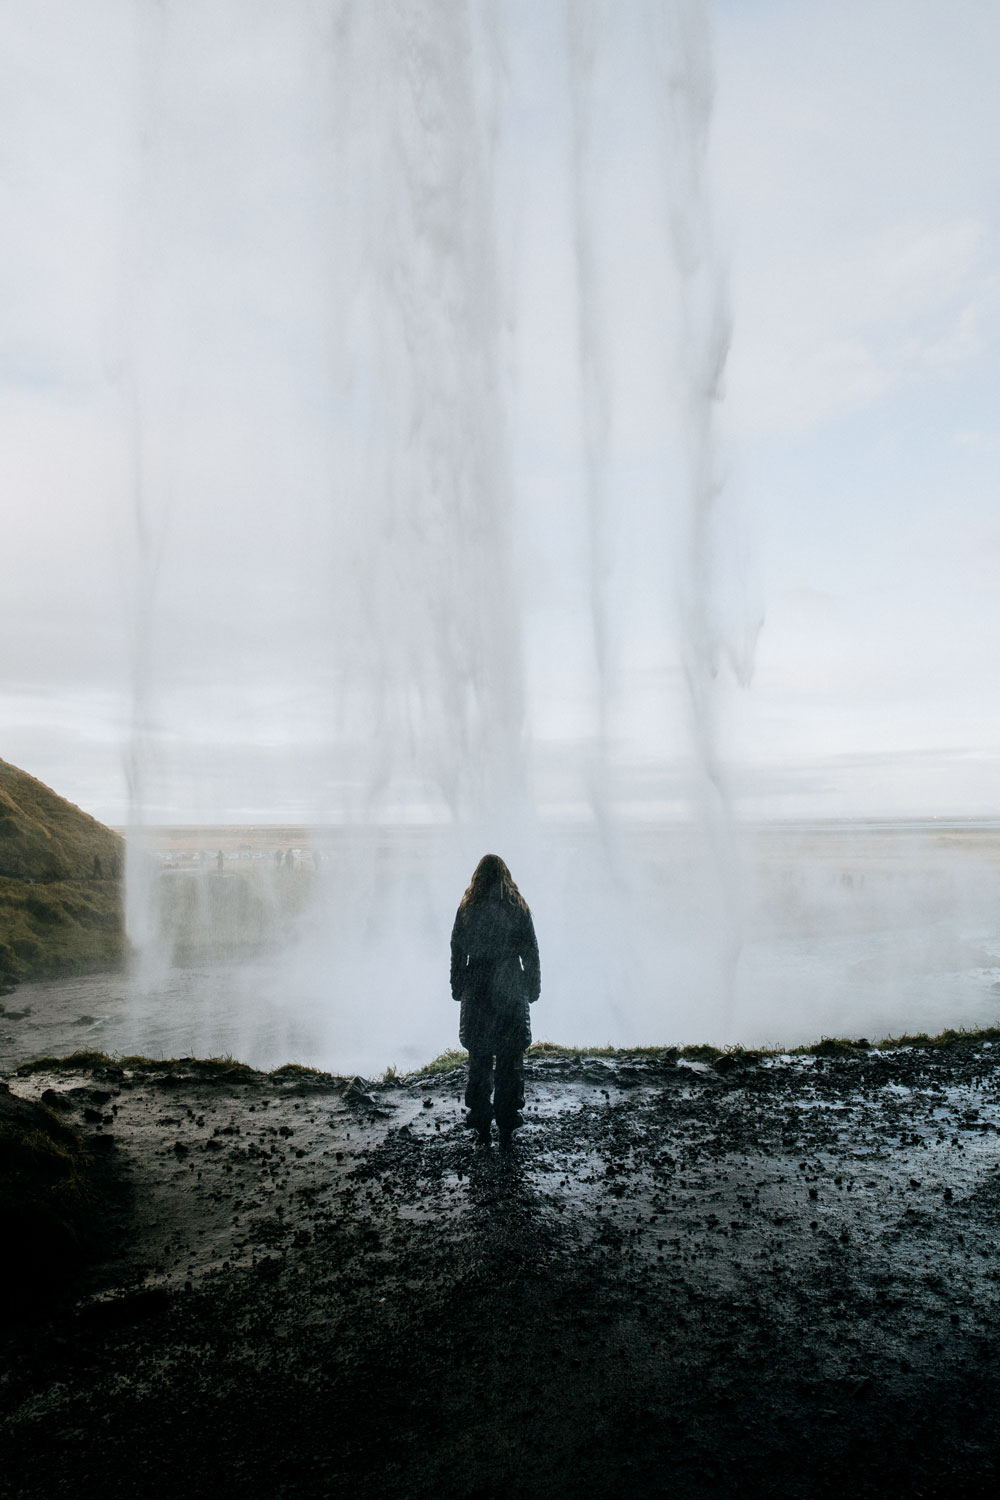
<point>52,1099</point>
<point>356,1093</point>
<point>31,1116</point>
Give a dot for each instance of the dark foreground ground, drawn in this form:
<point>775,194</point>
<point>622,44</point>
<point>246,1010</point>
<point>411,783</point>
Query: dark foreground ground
<point>767,1277</point>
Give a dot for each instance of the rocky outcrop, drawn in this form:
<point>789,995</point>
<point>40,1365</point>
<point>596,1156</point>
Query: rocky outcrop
<point>46,1190</point>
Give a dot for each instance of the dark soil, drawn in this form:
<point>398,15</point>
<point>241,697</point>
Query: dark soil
<point>753,1277</point>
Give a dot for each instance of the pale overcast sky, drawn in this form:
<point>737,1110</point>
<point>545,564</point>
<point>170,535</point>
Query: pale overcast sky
<point>181,186</point>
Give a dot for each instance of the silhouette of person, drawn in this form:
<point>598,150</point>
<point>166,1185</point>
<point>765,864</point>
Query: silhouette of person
<point>495,974</point>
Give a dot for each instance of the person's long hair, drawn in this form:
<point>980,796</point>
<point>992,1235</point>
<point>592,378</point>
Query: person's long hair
<point>491,877</point>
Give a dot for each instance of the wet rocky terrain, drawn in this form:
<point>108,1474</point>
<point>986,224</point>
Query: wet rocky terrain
<point>758,1275</point>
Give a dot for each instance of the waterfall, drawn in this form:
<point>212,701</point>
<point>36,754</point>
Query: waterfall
<point>509,531</point>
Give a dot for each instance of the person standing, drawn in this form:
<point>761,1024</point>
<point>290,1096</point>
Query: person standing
<point>495,975</point>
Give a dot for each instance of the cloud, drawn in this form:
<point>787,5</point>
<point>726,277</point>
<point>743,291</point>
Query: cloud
<point>904,309</point>
<point>852,155</point>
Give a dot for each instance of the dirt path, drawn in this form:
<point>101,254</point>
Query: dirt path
<point>776,1279</point>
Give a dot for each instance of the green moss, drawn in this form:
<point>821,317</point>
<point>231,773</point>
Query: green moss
<point>295,1070</point>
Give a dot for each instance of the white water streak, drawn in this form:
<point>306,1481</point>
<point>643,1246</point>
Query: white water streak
<point>425,661</point>
<point>682,49</point>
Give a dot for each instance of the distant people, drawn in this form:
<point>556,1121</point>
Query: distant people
<point>495,974</point>
<point>279,858</point>
<point>98,872</point>
<point>116,866</point>
<point>220,860</point>
<point>290,859</point>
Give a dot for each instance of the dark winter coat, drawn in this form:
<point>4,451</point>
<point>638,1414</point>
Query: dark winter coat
<point>495,974</point>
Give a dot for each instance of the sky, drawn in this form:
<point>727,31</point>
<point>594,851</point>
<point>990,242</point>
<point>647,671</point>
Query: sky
<point>215,321</point>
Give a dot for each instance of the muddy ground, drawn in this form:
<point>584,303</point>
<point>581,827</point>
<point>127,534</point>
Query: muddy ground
<point>774,1276</point>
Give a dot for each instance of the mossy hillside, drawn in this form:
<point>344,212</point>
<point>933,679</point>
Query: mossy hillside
<point>43,837</point>
<point>60,883</point>
<point>68,926</point>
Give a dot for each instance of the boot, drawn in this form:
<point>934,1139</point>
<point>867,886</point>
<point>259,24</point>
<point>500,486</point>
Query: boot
<point>480,1126</point>
<point>507,1130</point>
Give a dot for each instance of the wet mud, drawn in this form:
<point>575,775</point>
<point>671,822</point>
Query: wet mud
<point>767,1276</point>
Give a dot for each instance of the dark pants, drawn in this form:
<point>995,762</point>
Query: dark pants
<point>508,1097</point>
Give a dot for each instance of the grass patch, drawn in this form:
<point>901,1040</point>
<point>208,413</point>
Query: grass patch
<point>701,1052</point>
<point>555,1049</point>
<point>974,1037</point>
<point>89,1062</point>
<point>76,1062</point>
<point>217,1065</point>
<point>839,1046</point>
<point>706,1052</point>
<point>832,1046</point>
<point>453,1058</point>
